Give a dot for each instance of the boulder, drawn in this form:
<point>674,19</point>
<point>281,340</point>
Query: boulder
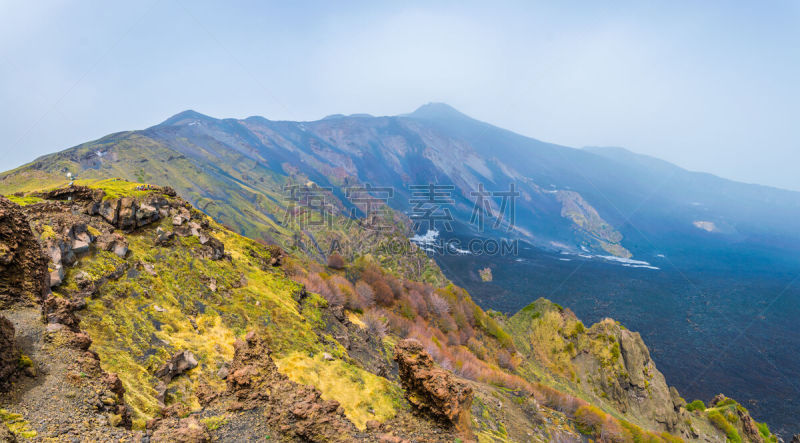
<point>297,410</point>
<point>120,249</point>
<point>56,275</point>
<point>146,214</point>
<point>79,246</point>
<point>60,310</point>
<point>179,363</point>
<point>115,243</point>
<point>195,228</point>
<point>163,237</point>
<point>432,389</point>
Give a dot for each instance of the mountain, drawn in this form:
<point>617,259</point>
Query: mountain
<point>141,318</point>
<point>603,201</point>
<point>694,262</point>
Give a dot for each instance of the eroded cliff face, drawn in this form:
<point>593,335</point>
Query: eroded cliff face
<point>23,267</point>
<point>605,361</point>
<point>9,354</point>
<point>629,378</point>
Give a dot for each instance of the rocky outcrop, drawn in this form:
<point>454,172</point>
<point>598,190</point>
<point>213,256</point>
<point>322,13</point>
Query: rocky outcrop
<point>23,267</point>
<point>115,243</point>
<point>365,349</point>
<point>629,378</point>
<point>429,388</point>
<point>749,426</point>
<point>179,363</point>
<point>9,354</point>
<point>296,411</point>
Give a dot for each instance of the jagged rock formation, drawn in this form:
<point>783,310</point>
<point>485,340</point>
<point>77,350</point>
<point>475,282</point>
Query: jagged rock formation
<point>605,360</point>
<point>296,410</point>
<point>23,268</point>
<point>429,388</point>
<point>179,363</point>
<point>9,354</point>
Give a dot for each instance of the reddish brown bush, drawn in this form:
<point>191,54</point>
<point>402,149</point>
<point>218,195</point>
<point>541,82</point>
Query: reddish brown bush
<point>365,294</point>
<point>335,261</point>
<point>383,293</point>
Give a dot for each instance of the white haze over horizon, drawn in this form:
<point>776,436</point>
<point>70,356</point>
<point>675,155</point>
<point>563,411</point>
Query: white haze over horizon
<point>710,86</point>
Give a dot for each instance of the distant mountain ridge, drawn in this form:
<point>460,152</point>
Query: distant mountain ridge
<point>636,205</point>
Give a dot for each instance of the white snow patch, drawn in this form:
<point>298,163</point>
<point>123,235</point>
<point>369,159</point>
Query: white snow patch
<point>427,239</point>
<point>629,262</point>
<point>706,226</point>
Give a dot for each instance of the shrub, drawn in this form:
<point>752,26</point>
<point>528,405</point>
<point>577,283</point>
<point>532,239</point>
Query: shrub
<point>505,361</point>
<point>383,293</point>
<point>696,405</point>
<point>589,419</point>
<point>335,261</point>
<point>763,429</point>
<point>439,305</point>
<point>376,324</point>
<point>719,421</point>
<point>365,294</point>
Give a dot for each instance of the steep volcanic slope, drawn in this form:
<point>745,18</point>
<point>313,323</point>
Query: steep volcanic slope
<point>237,171</point>
<point>233,169</point>
<point>166,324</point>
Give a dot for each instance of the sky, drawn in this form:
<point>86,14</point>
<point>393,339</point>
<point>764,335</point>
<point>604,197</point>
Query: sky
<point>711,86</point>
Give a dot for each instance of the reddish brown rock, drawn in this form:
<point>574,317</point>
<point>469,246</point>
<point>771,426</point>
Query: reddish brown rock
<point>297,410</point>
<point>23,265</point>
<point>9,354</point>
<point>749,426</point>
<point>430,388</point>
<point>187,430</point>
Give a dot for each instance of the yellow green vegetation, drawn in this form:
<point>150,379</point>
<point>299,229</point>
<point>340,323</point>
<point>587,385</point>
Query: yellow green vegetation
<point>16,424</point>
<point>363,395</point>
<point>25,361</point>
<point>24,200</point>
<point>718,420</point>
<point>114,187</point>
<point>552,336</point>
<point>168,300</point>
<point>725,416</point>
<point>48,233</point>
<point>213,423</point>
<point>696,405</point>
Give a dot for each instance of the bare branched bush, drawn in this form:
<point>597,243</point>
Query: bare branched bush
<point>376,324</point>
<point>439,305</point>
<point>365,294</point>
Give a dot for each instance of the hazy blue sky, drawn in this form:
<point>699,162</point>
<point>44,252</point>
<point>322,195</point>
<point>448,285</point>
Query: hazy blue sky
<point>711,86</point>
